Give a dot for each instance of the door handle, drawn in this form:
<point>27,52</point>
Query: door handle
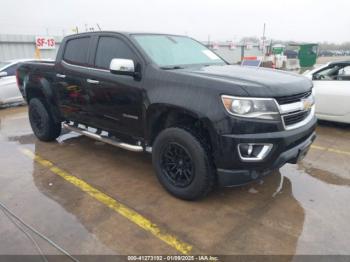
<point>92,81</point>
<point>61,76</point>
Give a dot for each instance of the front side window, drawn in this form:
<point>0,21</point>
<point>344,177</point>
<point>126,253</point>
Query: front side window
<point>333,73</point>
<point>328,73</point>
<point>76,51</point>
<point>169,51</point>
<point>109,48</point>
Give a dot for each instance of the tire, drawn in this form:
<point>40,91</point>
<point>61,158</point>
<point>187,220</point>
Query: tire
<point>183,164</point>
<point>41,121</point>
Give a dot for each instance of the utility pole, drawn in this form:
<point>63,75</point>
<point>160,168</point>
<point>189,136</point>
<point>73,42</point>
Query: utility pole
<point>263,42</point>
<point>264,36</point>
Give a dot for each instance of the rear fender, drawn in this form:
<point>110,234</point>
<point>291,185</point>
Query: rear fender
<point>41,87</point>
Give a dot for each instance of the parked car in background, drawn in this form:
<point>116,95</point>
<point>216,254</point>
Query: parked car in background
<point>332,90</point>
<point>9,92</point>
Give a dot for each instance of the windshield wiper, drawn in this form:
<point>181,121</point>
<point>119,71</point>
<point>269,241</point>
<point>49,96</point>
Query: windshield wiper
<point>171,67</point>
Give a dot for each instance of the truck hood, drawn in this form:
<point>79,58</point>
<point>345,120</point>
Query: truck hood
<point>259,82</point>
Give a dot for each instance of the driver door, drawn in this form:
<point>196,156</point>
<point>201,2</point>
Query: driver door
<point>332,91</point>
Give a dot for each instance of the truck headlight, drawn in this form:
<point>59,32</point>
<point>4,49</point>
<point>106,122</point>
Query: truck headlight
<point>263,108</point>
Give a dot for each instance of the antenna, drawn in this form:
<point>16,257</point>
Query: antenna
<point>98,26</point>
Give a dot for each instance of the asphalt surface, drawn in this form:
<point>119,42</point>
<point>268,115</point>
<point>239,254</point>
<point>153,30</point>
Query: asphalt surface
<point>92,198</point>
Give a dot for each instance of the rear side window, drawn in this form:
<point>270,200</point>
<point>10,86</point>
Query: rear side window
<point>76,51</point>
<point>109,48</point>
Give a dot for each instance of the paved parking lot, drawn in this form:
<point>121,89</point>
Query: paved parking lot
<point>92,198</point>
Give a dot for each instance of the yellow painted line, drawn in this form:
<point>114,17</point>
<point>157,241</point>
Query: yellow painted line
<point>113,204</point>
<point>330,150</point>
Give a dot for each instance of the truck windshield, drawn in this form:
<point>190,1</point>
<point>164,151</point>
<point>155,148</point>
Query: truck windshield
<point>174,52</point>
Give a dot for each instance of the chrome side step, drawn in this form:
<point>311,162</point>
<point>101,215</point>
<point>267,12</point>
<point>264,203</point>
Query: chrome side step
<point>104,139</point>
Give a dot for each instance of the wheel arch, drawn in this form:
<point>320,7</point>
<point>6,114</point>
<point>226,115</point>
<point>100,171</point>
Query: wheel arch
<point>40,87</point>
<point>160,116</point>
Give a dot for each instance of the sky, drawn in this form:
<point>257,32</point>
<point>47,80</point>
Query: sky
<point>221,20</point>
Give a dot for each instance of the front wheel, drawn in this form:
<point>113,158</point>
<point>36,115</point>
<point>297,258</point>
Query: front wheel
<point>41,121</point>
<point>182,163</point>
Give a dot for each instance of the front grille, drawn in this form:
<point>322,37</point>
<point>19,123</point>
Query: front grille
<point>294,118</point>
<point>282,100</point>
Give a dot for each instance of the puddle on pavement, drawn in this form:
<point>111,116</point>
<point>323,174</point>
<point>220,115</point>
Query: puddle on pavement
<point>325,199</point>
<point>21,195</point>
<point>302,209</point>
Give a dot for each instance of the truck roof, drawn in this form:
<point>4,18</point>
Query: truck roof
<point>127,33</point>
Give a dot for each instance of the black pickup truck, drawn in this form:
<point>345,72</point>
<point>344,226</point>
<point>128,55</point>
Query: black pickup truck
<point>204,121</point>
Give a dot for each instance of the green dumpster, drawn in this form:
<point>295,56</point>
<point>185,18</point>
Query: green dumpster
<point>307,55</point>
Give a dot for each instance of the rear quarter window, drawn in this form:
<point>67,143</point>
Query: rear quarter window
<point>76,51</point>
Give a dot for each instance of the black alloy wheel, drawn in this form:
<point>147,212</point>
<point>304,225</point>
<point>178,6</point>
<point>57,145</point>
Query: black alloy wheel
<point>183,163</point>
<point>41,121</point>
<point>36,120</point>
<point>177,165</point>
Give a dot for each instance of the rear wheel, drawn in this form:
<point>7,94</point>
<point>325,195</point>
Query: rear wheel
<point>182,163</point>
<point>41,121</point>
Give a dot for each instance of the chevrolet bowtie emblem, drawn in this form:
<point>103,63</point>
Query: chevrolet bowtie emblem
<point>307,104</point>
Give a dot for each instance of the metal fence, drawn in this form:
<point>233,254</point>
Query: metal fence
<point>23,46</point>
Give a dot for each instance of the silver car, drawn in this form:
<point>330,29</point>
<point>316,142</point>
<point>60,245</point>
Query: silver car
<point>9,92</point>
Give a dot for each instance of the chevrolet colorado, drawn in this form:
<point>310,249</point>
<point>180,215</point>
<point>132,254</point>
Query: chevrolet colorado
<point>204,121</point>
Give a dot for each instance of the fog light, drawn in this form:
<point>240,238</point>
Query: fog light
<point>250,149</point>
<point>253,151</point>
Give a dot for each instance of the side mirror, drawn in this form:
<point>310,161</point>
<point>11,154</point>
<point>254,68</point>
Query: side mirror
<point>120,66</point>
<point>3,74</point>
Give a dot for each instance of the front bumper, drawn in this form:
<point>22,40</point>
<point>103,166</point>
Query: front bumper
<point>288,147</point>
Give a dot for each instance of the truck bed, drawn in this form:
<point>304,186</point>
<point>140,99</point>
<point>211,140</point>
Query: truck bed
<point>40,69</point>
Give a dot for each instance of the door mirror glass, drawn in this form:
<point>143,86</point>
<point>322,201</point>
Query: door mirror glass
<point>3,74</point>
<point>122,67</point>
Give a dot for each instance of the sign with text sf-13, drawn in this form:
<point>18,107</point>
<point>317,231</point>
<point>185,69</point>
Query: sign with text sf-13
<point>45,42</point>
